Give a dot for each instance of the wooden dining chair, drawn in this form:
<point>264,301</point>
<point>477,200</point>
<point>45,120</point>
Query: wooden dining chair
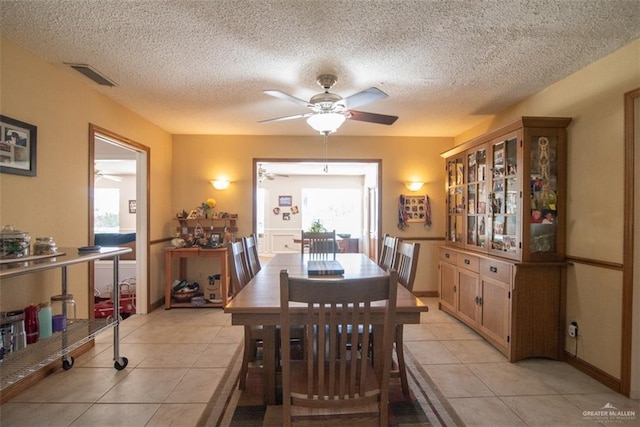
<point>238,266</point>
<point>388,252</point>
<point>335,379</point>
<point>406,264</point>
<point>250,244</point>
<point>319,244</point>
<point>253,335</point>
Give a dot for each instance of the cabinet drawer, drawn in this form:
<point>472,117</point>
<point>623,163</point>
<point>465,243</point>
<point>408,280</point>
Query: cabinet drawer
<point>447,255</point>
<point>496,269</point>
<point>468,262</point>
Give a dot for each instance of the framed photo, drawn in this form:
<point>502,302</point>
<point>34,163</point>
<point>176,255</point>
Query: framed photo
<point>215,239</point>
<point>132,206</point>
<point>284,201</point>
<point>414,208</point>
<point>17,147</point>
<point>286,216</point>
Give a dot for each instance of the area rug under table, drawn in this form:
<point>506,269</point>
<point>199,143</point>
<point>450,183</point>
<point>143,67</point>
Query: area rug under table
<point>230,406</point>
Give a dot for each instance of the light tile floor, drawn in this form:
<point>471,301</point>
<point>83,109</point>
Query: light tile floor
<point>486,390</point>
<point>177,357</point>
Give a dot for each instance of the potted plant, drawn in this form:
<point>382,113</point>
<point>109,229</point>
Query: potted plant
<point>317,227</point>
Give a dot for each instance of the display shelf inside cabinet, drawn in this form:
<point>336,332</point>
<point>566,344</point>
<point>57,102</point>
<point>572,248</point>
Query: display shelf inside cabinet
<point>189,226</point>
<point>22,363</point>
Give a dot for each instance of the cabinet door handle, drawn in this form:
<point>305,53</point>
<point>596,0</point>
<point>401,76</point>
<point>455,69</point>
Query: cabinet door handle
<point>447,256</point>
<point>455,289</point>
<point>493,269</point>
<point>467,261</point>
<point>477,300</point>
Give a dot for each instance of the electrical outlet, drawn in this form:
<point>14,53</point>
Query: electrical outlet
<point>573,329</point>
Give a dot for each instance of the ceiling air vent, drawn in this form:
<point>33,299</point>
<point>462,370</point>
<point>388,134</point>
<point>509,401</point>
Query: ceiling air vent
<point>92,73</point>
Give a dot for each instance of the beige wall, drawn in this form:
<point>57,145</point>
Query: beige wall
<point>635,360</point>
<point>200,158</point>
<point>62,104</point>
<point>594,98</point>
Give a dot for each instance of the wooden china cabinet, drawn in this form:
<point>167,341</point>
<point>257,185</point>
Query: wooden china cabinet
<point>501,271</point>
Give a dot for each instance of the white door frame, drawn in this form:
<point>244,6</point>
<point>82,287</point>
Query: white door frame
<point>142,153</point>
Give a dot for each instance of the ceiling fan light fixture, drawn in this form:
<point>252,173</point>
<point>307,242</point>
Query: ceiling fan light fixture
<point>326,123</point>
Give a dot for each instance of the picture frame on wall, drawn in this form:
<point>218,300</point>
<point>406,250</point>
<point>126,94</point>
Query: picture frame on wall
<point>17,147</point>
<point>414,208</point>
<point>132,206</point>
<point>285,200</point>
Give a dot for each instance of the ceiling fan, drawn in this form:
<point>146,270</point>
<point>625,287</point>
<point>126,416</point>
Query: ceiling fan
<point>329,110</point>
<point>98,174</point>
<point>263,174</point>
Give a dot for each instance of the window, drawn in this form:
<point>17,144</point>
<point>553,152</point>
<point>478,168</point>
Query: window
<point>337,209</point>
<point>106,210</point>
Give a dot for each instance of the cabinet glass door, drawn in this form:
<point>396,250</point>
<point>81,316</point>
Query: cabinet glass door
<point>504,200</point>
<point>455,200</point>
<point>476,199</point>
<point>543,194</point>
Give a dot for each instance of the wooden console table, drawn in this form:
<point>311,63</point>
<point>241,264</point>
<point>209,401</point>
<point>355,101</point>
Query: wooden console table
<point>182,254</point>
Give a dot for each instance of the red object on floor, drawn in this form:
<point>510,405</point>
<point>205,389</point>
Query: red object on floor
<point>103,307</point>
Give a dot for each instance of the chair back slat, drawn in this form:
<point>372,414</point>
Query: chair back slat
<point>319,244</point>
<point>239,270</point>
<point>338,373</point>
<point>251,249</point>
<point>388,252</point>
<point>406,263</point>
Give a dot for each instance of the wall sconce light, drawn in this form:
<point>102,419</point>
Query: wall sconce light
<point>414,185</point>
<point>220,184</point>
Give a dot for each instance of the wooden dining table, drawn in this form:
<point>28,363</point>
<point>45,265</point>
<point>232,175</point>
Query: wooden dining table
<point>258,303</point>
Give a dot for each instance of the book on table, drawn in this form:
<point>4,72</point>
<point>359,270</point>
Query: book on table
<point>325,268</point>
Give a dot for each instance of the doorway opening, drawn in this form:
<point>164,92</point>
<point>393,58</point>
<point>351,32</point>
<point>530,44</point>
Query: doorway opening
<point>118,216</point>
<point>290,194</point>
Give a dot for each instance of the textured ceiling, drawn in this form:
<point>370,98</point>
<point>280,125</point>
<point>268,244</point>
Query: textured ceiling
<point>199,67</point>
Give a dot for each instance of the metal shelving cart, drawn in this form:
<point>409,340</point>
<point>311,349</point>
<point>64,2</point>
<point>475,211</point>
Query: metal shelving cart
<point>22,363</point>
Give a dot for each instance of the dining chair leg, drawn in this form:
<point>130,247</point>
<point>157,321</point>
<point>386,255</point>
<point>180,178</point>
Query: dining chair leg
<point>402,369</point>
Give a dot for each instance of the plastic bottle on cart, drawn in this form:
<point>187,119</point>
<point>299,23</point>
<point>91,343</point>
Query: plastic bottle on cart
<point>63,309</point>
<point>31,323</point>
<point>44,320</point>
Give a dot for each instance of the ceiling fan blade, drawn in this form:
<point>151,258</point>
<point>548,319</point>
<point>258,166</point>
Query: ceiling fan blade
<point>279,119</point>
<point>359,99</point>
<point>99,174</point>
<point>380,119</point>
<point>287,97</point>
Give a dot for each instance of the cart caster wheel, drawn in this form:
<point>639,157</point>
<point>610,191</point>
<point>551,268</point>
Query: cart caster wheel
<point>67,363</point>
<point>119,366</point>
